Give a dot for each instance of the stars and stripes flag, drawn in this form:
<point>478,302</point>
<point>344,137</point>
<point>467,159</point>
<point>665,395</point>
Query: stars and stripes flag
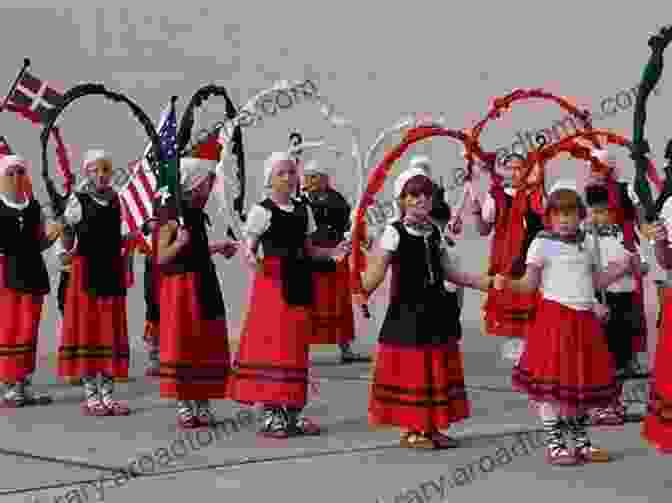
<point>34,98</point>
<point>137,197</point>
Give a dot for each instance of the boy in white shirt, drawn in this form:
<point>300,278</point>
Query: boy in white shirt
<point>625,319</point>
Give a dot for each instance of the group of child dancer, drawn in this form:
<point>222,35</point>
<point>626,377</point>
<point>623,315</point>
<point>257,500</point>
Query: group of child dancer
<point>544,287</point>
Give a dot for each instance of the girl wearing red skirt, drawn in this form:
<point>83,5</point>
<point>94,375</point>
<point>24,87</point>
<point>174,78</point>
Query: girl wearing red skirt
<point>193,338</point>
<point>24,281</point>
<point>418,382</point>
<point>94,345</point>
<point>566,368</point>
<point>272,363</point>
<point>657,428</point>
<point>514,216</point>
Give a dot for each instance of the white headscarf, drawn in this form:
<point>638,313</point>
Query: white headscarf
<point>273,161</point>
<point>399,185</point>
<point>7,161</point>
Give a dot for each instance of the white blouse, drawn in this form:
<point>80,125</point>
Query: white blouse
<point>567,272</point>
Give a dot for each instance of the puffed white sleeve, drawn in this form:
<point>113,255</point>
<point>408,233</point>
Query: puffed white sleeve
<point>666,218</point>
<point>633,195</point>
<point>389,241</point>
<point>536,254</point>
<point>258,221</point>
<point>73,211</point>
<point>489,209</point>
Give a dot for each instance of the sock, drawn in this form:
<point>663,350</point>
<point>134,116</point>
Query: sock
<point>579,431</point>
<point>91,393</point>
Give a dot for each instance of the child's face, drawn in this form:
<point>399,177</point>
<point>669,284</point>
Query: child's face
<point>417,205</point>
<point>285,178</point>
<point>565,222</point>
<point>600,215</point>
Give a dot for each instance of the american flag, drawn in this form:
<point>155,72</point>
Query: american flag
<point>138,195</point>
<point>35,97</point>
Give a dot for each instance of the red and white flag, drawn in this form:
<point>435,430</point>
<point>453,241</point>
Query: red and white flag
<point>35,98</point>
<point>137,197</point>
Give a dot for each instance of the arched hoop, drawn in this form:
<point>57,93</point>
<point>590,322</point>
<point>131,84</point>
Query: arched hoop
<point>572,146</point>
<point>641,148</point>
<point>375,183</point>
<point>503,104</point>
<point>284,95</point>
<point>235,205</point>
<point>72,95</point>
<point>461,178</point>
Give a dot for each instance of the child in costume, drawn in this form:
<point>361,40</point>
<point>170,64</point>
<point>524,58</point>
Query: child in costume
<point>272,362</point>
<point>657,428</point>
<point>418,382</point>
<point>194,349</point>
<point>514,216</point>
<point>333,316</point>
<point>24,281</point>
<point>94,342</point>
<point>625,315</point>
<point>566,368</point>
<point>627,211</point>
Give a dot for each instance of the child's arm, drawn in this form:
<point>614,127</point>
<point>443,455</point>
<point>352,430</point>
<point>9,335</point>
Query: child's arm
<point>376,270</point>
<point>527,284</point>
<point>614,272</point>
<point>461,278</point>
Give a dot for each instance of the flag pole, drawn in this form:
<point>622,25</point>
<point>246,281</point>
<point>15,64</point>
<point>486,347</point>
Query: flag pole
<point>178,184</point>
<point>26,64</point>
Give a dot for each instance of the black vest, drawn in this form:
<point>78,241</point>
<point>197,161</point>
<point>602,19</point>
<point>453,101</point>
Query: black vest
<point>420,310</point>
<point>286,238</point>
<point>99,236</point>
<point>195,257</point>
<point>332,218</point>
<point>20,243</point>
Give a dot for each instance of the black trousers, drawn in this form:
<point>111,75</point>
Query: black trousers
<point>625,320</point>
<point>151,304</point>
<point>62,287</point>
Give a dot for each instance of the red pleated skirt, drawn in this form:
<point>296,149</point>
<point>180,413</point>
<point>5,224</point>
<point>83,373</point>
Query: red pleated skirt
<point>272,362</point>
<point>95,331</point>
<point>657,428</point>
<point>418,389</point>
<point>566,361</point>
<point>20,315</point>
<point>194,353</point>
<point>509,314</point>
<point>333,319</point>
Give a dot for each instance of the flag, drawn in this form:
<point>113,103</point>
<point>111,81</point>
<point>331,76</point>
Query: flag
<point>168,181</point>
<point>34,98</point>
<point>5,149</point>
<point>137,198</point>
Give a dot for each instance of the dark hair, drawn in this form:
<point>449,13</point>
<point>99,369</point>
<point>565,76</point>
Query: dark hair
<point>566,200</point>
<point>597,195</point>
<point>419,184</point>
<point>440,208</point>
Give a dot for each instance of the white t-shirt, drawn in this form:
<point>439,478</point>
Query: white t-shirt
<point>567,272</point>
<point>613,250</point>
<point>259,220</point>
